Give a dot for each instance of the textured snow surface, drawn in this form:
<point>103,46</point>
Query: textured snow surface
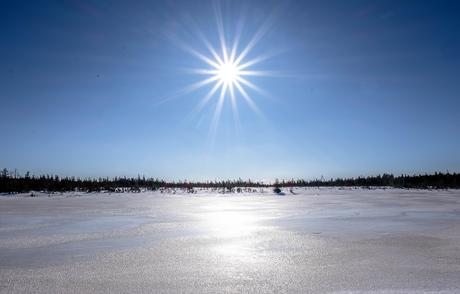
<point>314,241</point>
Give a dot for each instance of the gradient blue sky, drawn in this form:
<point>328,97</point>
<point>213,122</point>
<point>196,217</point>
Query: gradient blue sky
<point>367,87</point>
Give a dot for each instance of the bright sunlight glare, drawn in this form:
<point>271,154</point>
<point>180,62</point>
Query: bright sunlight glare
<point>228,73</point>
<point>228,68</point>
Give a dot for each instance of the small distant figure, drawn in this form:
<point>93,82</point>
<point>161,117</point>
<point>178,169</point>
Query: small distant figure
<point>277,190</point>
<point>32,194</point>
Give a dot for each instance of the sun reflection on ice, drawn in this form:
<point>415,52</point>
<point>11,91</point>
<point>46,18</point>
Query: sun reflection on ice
<point>235,230</point>
<point>230,224</point>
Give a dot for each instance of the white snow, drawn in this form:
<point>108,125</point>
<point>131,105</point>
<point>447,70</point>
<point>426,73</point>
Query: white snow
<point>326,240</point>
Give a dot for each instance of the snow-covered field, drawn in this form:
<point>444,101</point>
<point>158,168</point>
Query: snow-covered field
<point>316,240</point>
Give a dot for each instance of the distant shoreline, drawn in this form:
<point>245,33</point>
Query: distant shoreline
<point>267,190</point>
<point>13,183</point>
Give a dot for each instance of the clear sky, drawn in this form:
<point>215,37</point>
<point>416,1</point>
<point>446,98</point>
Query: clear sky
<point>95,88</point>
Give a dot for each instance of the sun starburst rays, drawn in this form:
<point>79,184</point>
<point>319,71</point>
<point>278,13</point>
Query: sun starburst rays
<point>227,69</point>
<point>229,73</point>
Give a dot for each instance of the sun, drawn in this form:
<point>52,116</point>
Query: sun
<point>228,68</point>
<point>228,73</point>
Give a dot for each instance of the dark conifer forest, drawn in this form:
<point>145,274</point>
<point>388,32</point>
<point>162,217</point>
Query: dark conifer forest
<point>12,182</point>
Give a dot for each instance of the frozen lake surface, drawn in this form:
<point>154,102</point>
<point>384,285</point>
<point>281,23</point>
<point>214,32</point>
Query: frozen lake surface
<point>316,241</point>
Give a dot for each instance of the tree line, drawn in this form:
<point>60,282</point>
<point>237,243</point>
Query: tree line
<point>12,182</point>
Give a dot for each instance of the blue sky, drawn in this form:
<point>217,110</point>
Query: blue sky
<point>89,88</point>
